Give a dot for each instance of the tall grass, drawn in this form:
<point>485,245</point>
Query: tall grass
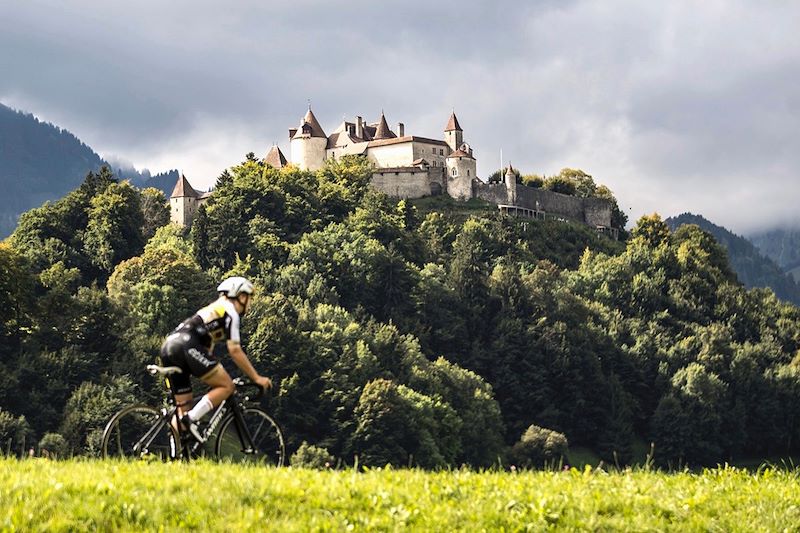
<point>38,494</point>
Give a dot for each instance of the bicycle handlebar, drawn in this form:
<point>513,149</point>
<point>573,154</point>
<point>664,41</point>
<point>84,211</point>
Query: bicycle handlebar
<point>246,383</point>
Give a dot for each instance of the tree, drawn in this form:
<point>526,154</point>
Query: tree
<point>89,408</point>
<point>533,180</point>
<point>114,230</point>
<point>560,185</point>
<point>155,211</point>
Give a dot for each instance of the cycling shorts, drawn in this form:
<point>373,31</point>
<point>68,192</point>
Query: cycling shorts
<point>186,350</point>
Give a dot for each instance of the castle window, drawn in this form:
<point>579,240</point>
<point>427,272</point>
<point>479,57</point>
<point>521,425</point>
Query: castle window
<point>433,150</point>
<point>441,151</point>
<point>467,172</point>
<point>455,172</point>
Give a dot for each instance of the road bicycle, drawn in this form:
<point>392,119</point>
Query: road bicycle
<point>246,433</point>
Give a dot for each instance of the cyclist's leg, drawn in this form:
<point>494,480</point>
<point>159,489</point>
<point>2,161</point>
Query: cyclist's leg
<point>205,366</point>
<point>221,385</point>
<point>172,354</point>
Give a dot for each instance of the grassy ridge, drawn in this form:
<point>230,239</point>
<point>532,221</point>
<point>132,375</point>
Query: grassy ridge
<point>91,495</point>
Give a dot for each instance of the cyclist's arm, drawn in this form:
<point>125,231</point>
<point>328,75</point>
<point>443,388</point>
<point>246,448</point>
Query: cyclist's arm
<point>241,360</point>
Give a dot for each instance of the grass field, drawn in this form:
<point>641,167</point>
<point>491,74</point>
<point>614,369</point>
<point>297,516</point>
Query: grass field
<point>38,494</point>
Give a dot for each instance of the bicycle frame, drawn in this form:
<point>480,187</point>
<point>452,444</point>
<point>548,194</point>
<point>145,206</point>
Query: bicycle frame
<point>147,438</point>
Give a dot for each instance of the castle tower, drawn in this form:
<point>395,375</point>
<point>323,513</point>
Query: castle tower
<point>461,170</point>
<point>308,143</point>
<point>511,185</point>
<point>183,202</point>
<point>453,134</point>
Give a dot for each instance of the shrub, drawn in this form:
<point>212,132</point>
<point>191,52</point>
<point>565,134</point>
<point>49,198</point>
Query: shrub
<point>53,445</point>
<point>310,456</point>
<point>539,447</point>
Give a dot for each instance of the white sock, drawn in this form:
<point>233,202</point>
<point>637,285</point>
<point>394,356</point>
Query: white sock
<point>201,408</point>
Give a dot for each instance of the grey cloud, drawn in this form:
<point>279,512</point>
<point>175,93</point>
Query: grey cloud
<point>654,99</point>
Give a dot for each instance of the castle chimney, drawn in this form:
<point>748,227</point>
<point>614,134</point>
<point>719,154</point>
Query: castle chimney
<point>401,129</point>
<point>359,127</point>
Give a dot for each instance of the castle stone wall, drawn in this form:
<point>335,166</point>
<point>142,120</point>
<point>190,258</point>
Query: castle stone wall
<point>550,202</point>
<point>597,211</point>
<point>494,193</point>
<point>402,182</point>
<point>592,211</point>
<point>435,154</point>
<point>392,155</point>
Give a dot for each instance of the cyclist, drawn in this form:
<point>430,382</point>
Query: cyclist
<point>190,347</point>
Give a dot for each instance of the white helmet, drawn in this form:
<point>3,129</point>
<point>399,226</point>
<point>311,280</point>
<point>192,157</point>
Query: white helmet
<point>233,287</point>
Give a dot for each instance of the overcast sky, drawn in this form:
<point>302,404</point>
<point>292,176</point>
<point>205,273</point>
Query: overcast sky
<point>676,105</point>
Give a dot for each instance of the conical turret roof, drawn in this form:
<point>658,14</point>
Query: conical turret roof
<point>275,157</point>
<point>383,131</point>
<point>311,120</point>
<point>453,124</point>
<point>183,189</point>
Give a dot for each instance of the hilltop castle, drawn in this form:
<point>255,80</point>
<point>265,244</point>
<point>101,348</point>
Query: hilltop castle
<point>409,166</point>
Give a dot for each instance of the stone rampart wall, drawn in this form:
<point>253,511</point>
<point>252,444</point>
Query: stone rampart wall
<point>495,193</point>
<point>402,182</point>
<point>591,211</point>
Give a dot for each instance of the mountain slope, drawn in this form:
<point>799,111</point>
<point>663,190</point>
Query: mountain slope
<point>40,162</point>
<point>782,246</point>
<point>752,268</point>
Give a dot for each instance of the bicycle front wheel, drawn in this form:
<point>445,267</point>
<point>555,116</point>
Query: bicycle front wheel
<point>260,442</point>
<point>140,432</point>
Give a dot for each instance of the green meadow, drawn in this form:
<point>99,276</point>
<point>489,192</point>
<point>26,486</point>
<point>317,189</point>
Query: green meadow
<point>86,495</point>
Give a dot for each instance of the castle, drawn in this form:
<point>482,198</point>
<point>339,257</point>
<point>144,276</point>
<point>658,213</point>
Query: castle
<point>409,166</point>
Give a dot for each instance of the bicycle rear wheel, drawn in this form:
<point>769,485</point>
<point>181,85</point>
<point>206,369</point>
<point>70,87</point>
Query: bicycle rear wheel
<point>140,432</point>
<point>267,439</point>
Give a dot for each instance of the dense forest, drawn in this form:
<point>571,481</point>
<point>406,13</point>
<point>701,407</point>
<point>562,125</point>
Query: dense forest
<point>40,162</point>
<point>396,333</point>
<point>753,268</point>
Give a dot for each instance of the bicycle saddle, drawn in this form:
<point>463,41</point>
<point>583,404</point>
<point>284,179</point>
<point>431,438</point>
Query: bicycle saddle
<point>163,370</point>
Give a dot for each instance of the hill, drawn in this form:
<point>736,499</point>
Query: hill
<point>752,268</point>
<point>41,162</point>
<point>400,335</point>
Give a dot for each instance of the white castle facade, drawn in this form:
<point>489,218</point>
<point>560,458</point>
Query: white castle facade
<point>410,166</point>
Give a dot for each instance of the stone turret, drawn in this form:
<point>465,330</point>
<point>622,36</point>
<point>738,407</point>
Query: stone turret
<point>308,143</point>
<point>511,185</point>
<point>453,134</point>
<point>461,169</point>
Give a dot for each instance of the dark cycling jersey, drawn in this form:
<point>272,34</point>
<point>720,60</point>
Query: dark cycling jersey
<point>189,345</point>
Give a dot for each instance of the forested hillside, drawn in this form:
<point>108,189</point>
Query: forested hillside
<point>433,340</point>
<point>753,267</point>
<point>40,162</point>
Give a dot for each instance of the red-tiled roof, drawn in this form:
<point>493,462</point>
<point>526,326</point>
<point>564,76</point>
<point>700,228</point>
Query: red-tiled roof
<point>183,189</point>
<point>407,138</point>
<point>275,157</point>
<point>452,124</point>
<point>314,128</point>
<point>383,131</point>
<point>460,153</point>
